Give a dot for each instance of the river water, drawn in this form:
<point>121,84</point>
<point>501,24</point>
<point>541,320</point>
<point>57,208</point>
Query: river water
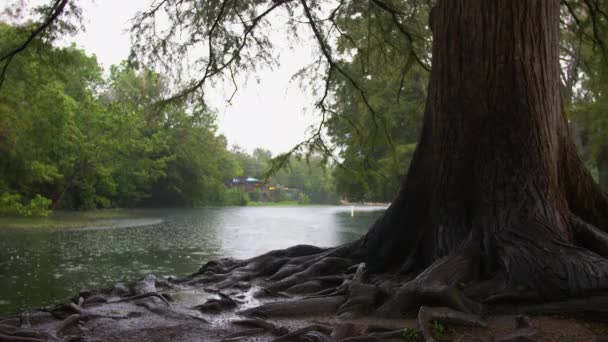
<point>42,266</point>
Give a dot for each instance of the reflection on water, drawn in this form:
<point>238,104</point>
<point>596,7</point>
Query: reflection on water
<point>40,266</point>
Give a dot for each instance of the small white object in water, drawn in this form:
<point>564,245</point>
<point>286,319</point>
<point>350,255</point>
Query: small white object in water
<point>352,210</point>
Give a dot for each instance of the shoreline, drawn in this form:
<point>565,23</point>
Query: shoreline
<point>85,218</point>
<point>184,309</point>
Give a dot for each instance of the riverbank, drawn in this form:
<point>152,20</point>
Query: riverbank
<point>366,204</point>
<point>283,204</point>
<point>68,219</point>
<point>197,309</point>
<point>107,217</point>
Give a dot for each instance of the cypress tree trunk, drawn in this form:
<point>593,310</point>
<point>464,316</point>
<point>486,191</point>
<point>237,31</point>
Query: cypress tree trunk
<point>602,167</point>
<point>497,203</point>
<point>496,170</point>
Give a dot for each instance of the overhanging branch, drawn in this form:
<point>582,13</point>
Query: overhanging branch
<point>6,58</point>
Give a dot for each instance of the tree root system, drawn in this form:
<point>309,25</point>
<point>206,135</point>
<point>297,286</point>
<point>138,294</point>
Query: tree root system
<point>285,292</point>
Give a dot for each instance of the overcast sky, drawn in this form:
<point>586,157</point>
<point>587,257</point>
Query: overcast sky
<point>268,111</point>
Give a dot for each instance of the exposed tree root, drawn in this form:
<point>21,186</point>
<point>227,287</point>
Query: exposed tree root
<point>247,332</point>
<point>15,333</point>
<point>300,332</point>
<point>119,290</point>
<point>467,338</point>
<point>67,323</point>
<point>7,329</point>
<point>30,333</point>
<point>226,273</point>
<point>325,266</point>
<point>362,297</point>
<point>307,287</point>
<point>363,339</point>
<point>146,285</point>
<point>300,307</point>
<point>13,321</point>
<point>387,334</point>
<point>437,285</point>
<point>217,305</point>
<point>345,330</point>
<point>7,338</point>
<point>142,296</point>
<point>589,236</point>
<point>316,336</point>
<point>256,322</point>
<point>268,293</point>
<point>446,315</point>
<point>94,300</point>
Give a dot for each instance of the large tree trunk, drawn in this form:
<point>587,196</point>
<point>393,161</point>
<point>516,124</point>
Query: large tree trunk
<point>496,166</point>
<point>602,167</point>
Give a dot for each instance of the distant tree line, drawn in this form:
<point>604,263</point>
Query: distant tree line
<point>74,137</point>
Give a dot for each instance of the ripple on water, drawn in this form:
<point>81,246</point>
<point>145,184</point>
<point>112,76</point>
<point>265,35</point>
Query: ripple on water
<point>125,223</point>
<point>161,242</point>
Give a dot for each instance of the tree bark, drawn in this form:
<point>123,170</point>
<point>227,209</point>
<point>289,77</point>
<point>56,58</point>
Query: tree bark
<point>496,165</point>
<point>602,167</point>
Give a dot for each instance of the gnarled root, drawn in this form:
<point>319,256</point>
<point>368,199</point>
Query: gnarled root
<point>437,285</point>
<point>21,334</point>
<point>10,338</point>
<point>386,335</point>
<point>246,332</point>
<point>227,273</point>
<point>324,266</point>
<point>345,330</point>
<point>142,296</point>
<point>67,323</point>
<point>217,305</point>
<point>589,236</point>
<point>362,297</point>
<point>316,336</point>
<point>300,307</point>
<point>300,332</point>
<point>260,323</point>
<point>426,315</point>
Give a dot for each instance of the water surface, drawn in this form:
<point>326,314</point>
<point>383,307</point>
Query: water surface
<point>41,266</point>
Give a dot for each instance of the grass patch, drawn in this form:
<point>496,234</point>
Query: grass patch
<point>275,204</point>
<point>287,204</point>
<point>65,219</point>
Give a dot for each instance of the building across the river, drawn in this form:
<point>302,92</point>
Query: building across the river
<point>269,192</point>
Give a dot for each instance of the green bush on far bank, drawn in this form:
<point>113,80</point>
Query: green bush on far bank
<point>12,204</point>
<point>303,198</point>
<point>235,197</point>
<point>273,204</point>
<point>256,195</point>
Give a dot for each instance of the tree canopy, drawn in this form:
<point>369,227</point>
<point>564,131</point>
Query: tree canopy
<point>370,75</point>
<point>74,137</point>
